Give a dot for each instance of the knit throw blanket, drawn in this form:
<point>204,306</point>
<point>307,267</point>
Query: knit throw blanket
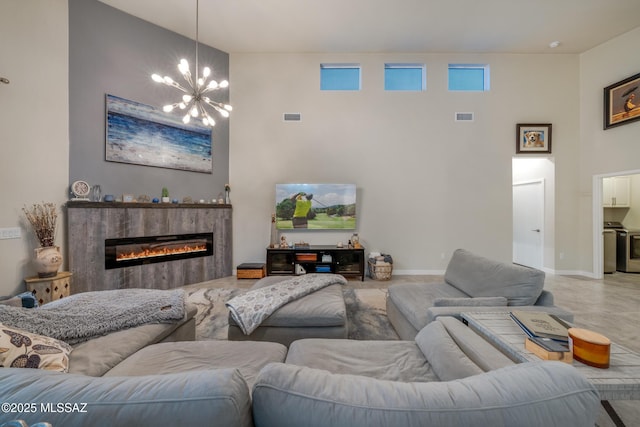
<point>81,317</point>
<point>250,309</point>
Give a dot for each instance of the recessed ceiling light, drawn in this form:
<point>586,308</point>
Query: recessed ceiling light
<point>554,44</point>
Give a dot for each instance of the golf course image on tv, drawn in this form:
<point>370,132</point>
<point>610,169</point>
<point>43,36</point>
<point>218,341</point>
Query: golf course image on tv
<point>316,206</point>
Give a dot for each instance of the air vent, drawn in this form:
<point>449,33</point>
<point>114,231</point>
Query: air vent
<point>292,117</point>
<point>464,117</point>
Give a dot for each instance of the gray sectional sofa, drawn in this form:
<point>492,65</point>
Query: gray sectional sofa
<point>150,375</point>
<point>155,374</point>
<point>471,283</point>
<point>448,376</point>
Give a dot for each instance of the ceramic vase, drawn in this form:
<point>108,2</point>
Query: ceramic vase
<point>48,260</point>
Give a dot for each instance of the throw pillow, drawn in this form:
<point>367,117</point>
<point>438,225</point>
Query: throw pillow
<point>470,302</point>
<point>22,349</point>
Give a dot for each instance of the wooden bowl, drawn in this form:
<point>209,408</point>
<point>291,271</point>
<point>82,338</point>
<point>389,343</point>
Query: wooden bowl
<point>589,347</point>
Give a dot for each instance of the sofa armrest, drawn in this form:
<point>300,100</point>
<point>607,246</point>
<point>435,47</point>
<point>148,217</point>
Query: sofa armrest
<point>192,398</point>
<point>545,298</point>
<point>527,395</point>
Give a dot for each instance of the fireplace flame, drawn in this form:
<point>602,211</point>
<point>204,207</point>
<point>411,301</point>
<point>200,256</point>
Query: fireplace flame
<point>161,251</point>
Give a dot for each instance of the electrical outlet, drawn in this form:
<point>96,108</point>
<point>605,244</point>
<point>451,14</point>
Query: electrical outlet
<point>10,233</point>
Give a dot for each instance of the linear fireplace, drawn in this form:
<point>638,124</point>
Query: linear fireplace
<point>130,251</point>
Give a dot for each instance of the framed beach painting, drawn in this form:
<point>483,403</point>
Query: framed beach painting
<point>622,102</point>
<point>533,138</point>
<point>144,135</point>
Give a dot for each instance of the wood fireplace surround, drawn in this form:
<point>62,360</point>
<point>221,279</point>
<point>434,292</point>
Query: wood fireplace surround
<point>92,226</point>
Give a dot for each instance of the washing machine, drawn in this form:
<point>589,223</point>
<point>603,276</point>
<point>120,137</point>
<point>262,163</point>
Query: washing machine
<point>628,251</point>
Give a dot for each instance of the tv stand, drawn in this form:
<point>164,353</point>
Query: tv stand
<point>348,262</point>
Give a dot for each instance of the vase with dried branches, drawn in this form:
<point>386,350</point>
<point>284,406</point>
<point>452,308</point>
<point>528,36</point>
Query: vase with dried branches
<point>43,219</point>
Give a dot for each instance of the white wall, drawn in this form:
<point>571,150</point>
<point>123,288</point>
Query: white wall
<point>603,151</point>
<point>426,185</point>
<point>34,122</point>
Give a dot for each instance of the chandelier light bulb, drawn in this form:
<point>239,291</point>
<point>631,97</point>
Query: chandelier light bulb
<point>156,78</point>
<point>186,119</point>
<point>206,72</point>
<point>167,108</point>
<point>228,107</point>
<point>187,98</point>
<point>224,84</point>
<point>213,84</point>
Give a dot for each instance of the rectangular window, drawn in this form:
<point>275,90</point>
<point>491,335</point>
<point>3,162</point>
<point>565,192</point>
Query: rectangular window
<point>410,77</point>
<point>469,77</point>
<point>339,77</point>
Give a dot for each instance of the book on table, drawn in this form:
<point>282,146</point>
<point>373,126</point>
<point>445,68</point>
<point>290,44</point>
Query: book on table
<point>538,324</point>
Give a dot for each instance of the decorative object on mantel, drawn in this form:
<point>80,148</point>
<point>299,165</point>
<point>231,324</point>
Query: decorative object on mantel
<point>220,199</point>
<point>143,198</point>
<point>80,190</point>
<point>187,199</point>
<point>43,218</point>
<point>96,193</point>
<point>165,195</point>
<point>227,190</point>
<point>195,100</point>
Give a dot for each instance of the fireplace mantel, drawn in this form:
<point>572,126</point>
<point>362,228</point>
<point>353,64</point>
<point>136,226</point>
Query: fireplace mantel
<point>91,223</point>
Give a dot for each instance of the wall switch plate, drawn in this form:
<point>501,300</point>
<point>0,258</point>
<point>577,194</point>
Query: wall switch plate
<point>10,233</point>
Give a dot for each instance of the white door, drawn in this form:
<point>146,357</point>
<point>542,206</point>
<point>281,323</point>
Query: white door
<point>528,222</point>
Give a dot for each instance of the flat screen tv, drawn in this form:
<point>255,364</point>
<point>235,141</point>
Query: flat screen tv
<point>316,206</point>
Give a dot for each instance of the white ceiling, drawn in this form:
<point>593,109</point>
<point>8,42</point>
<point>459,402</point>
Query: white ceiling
<point>407,26</point>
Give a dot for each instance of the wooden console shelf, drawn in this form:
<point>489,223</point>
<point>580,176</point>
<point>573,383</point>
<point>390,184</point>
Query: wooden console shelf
<point>348,262</point>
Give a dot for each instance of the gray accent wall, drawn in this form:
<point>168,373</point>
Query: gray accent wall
<point>116,53</point>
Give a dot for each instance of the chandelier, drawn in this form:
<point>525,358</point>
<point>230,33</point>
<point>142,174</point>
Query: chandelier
<point>195,101</point>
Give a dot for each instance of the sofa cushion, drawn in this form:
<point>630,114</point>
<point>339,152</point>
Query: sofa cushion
<point>174,357</point>
<point>97,356</point>
<point>447,360</point>
<point>384,360</point>
<point>324,307</point>
<point>482,277</point>
<point>185,399</point>
<point>413,299</point>
<point>479,350</point>
<point>470,302</point>
<point>524,395</point>
<point>22,349</point>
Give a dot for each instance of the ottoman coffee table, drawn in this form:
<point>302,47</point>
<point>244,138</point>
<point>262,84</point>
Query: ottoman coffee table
<point>321,314</point>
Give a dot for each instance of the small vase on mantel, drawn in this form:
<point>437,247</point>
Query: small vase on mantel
<point>47,261</point>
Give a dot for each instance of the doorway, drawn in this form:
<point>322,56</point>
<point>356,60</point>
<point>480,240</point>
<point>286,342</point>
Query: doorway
<point>533,206</point>
<point>528,223</point>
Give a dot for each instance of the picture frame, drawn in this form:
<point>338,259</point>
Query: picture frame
<point>533,138</point>
<point>140,134</point>
<point>622,102</point>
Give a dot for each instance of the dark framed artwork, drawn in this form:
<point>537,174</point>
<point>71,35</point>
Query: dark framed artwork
<point>622,102</point>
<point>533,138</point>
<point>144,135</point>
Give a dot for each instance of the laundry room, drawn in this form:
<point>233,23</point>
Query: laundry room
<point>621,214</point>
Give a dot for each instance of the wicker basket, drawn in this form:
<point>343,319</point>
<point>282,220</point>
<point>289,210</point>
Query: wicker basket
<point>380,272</point>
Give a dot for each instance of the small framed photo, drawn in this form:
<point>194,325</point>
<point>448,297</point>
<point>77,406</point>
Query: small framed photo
<point>128,198</point>
<point>622,102</point>
<point>533,138</point>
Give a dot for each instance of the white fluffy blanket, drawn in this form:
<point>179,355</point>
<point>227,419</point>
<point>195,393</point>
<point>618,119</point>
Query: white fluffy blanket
<point>86,315</point>
<point>250,309</point>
